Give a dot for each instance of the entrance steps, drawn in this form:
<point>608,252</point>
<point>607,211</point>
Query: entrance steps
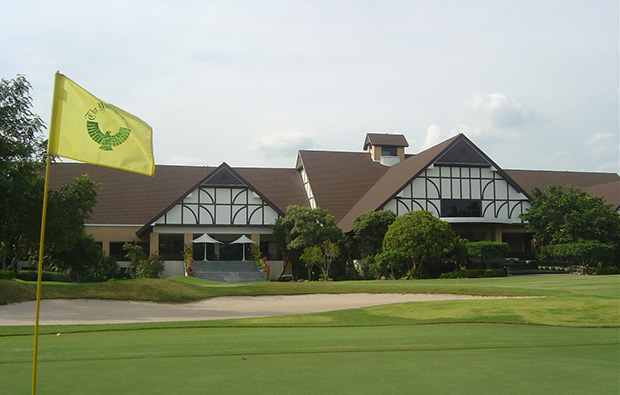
<point>228,271</point>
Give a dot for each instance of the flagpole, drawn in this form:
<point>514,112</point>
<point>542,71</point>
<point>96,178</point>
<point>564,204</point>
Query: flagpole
<point>40,275</point>
<point>54,119</point>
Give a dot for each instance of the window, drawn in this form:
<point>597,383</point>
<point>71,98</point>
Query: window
<point>388,151</point>
<point>461,208</point>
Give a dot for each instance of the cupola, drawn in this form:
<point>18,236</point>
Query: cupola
<point>389,149</point>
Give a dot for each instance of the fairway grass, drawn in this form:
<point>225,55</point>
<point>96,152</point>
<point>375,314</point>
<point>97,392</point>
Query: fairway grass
<point>564,341</point>
<point>444,358</point>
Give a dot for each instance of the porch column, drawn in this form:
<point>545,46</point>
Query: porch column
<point>187,239</point>
<point>153,243</point>
<point>497,233</point>
<point>105,247</point>
<point>255,238</point>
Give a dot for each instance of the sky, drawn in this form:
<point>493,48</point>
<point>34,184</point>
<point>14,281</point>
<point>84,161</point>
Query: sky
<point>534,84</point>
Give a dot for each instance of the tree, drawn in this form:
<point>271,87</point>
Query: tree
<point>389,260</point>
<point>22,151</point>
<point>564,215</point>
<point>303,227</point>
<point>421,237</point>
<point>322,255</point>
<point>80,258</point>
<point>369,228</point>
<point>567,215</point>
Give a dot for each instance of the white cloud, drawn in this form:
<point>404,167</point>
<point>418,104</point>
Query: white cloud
<point>435,134</point>
<point>283,144</point>
<point>498,111</point>
<point>602,143</point>
<point>560,160</point>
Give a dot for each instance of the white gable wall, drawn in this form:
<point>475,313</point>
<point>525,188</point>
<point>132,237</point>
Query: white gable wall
<point>500,202</point>
<point>220,206</point>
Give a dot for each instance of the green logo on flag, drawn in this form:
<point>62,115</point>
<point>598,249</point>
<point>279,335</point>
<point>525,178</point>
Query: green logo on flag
<point>107,140</point>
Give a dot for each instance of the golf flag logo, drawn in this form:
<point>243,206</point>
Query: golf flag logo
<point>87,129</point>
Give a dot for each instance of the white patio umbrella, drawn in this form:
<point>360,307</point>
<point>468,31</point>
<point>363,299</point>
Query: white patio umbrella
<point>205,238</point>
<point>243,240</point>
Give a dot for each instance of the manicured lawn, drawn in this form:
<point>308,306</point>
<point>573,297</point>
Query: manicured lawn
<point>567,342</point>
<point>445,358</point>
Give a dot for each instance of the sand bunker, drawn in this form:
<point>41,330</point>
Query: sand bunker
<point>85,311</point>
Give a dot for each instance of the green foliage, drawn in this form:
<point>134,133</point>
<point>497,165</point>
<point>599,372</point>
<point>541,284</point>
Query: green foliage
<point>8,274</point>
<point>22,151</point>
<point>21,185</point>
<point>486,250</point>
<point>561,215</point>
<point>303,227</point>
<point>586,253</point>
<point>474,273</point>
<point>601,270</point>
<point>369,229</point>
<point>32,275</point>
<point>68,209</point>
<point>420,236</point>
<point>141,266</point>
<point>321,255</point>
<point>79,258</point>
<point>387,263</point>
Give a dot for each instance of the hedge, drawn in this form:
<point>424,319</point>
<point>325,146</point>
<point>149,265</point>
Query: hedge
<point>32,275</point>
<point>474,273</point>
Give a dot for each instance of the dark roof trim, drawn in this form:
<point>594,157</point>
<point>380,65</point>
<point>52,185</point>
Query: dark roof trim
<point>385,139</point>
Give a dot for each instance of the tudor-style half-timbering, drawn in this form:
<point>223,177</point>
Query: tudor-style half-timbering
<point>220,206</point>
<point>462,185</point>
<point>222,199</point>
<point>455,193</point>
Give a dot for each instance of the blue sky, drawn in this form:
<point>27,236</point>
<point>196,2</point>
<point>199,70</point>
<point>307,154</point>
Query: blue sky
<point>535,84</point>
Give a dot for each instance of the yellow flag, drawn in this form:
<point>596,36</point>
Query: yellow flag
<point>90,130</point>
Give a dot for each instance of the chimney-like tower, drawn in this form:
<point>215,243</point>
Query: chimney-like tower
<point>389,149</point>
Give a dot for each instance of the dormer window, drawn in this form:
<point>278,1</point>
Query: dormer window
<point>388,151</point>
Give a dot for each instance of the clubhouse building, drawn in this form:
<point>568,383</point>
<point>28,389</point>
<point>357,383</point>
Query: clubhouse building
<point>222,211</point>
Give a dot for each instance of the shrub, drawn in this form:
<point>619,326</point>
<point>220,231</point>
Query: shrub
<point>486,250</point>
<point>474,273</point>
<point>141,266</point>
<point>586,253</point>
<point>7,274</point>
<point>32,275</point>
<point>601,270</point>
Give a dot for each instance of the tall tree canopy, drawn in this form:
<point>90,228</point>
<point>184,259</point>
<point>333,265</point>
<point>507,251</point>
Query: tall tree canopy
<point>369,228</point>
<point>303,227</point>
<point>568,215</point>
<point>421,237</point>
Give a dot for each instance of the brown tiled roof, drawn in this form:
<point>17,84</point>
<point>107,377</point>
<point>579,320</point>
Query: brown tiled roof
<point>282,187</point>
<point>340,179</point>
<point>606,185</point>
<point>393,179</point>
<point>394,140</point>
<point>129,198</point>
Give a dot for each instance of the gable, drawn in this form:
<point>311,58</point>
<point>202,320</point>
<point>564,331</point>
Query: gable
<point>223,176</point>
<point>462,153</point>
<point>457,155</point>
<point>477,194</point>
<point>220,205</point>
<point>224,198</point>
